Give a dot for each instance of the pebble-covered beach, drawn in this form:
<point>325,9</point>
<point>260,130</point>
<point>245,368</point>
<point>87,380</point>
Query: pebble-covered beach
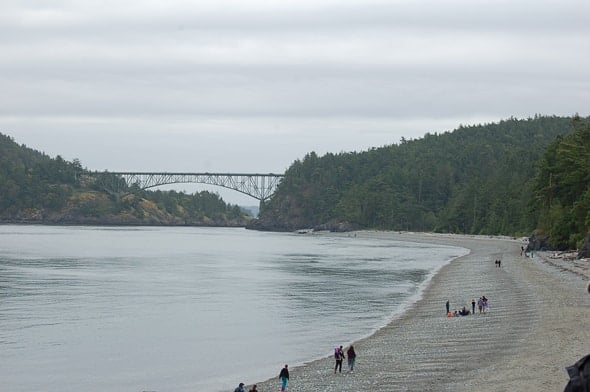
<point>538,323</point>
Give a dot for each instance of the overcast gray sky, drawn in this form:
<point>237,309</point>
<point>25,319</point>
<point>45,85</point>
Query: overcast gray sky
<point>253,85</point>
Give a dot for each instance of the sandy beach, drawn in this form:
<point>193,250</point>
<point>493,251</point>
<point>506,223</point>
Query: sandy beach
<point>538,323</point>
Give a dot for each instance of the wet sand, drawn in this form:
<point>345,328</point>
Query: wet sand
<point>538,323</point>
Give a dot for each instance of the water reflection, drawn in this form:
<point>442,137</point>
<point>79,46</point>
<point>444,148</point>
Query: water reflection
<point>133,306</point>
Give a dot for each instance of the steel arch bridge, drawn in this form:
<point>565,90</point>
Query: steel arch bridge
<point>258,186</point>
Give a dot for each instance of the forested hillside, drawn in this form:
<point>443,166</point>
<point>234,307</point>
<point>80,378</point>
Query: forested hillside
<point>476,179</point>
<point>512,178</point>
<point>35,188</point>
<point>562,188</point>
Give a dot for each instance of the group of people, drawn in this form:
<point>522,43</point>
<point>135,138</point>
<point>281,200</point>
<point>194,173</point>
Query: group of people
<point>482,306</point>
<point>240,388</point>
<point>498,263</point>
<point>283,376</point>
<point>339,357</point>
<point>457,313</point>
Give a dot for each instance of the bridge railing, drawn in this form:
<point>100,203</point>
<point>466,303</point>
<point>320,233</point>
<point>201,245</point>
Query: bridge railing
<point>257,185</point>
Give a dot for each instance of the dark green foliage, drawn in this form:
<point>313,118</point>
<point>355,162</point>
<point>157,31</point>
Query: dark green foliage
<point>30,179</point>
<point>562,188</point>
<point>476,179</point>
<point>37,188</point>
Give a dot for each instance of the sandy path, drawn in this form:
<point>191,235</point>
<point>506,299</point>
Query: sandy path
<point>539,322</point>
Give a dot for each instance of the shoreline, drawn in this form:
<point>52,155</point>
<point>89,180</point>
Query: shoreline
<point>537,325</point>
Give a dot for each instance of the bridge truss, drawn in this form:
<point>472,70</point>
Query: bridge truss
<point>258,186</point>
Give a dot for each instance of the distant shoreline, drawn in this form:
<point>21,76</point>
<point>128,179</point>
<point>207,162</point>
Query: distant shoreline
<point>537,325</point>
<point>90,224</point>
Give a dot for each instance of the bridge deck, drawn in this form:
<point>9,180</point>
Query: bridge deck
<point>257,185</point>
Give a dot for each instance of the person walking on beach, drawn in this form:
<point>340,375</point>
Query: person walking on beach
<point>473,306</point>
<point>284,377</point>
<point>253,389</point>
<point>480,304</point>
<point>338,356</point>
<point>240,388</point>
<point>351,357</point>
<point>448,306</point>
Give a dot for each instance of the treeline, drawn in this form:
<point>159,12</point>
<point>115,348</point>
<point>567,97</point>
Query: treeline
<point>562,188</point>
<point>480,179</point>
<point>36,188</point>
<point>514,177</point>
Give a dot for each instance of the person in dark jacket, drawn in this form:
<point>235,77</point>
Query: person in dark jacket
<point>284,377</point>
<point>338,356</point>
<point>579,372</point>
<point>579,376</point>
<point>351,357</point>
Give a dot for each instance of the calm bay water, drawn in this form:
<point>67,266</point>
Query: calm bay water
<point>190,309</point>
